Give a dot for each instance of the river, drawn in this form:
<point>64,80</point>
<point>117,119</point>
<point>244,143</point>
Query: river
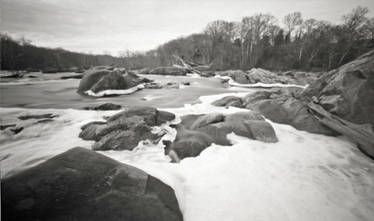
<point>302,177</point>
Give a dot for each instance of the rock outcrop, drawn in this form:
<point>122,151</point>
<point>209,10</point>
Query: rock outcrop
<point>126,129</point>
<point>283,106</point>
<point>259,75</point>
<point>101,80</point>
<point>197,132</point>
<point>348,91</point>
<point>83,185</point>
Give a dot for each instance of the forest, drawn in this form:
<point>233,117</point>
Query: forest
<point>260,40</point>
<point>20,54</point>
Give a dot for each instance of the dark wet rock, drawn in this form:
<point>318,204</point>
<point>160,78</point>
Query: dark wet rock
<point>126,138</point>
<point>348,91</point>
<point>186,83</point>
<point>16,129</point>
<point>37,116</point>
<point>197,132</point>
<point>5,126</point>
<point>229,101</point>
<point>174,85</point>
<point>90,78</point>
<point>73,76</point>
<point>43,121</point>
<point>124,130</point>
<point>83,185</point>
<point>100,80</point>
<point>111,81</point>
<point>105,106</point>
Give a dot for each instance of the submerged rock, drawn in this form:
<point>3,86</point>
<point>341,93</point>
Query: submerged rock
<point>105,106</point>
<point>197,132</point>
<point>37,116</point>
<point>83,185</point>
<point>124,130</point>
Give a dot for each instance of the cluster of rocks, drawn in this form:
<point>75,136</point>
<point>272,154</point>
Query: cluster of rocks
<point>104,107</point>
<point>259,75</point>
<point>346,92</point>
<point>81,184</point>
<point>197,132</point>
<point>101,80</point>
<point>124,130</point>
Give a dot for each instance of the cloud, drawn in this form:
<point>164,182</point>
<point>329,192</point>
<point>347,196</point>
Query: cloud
<point>115,25</point>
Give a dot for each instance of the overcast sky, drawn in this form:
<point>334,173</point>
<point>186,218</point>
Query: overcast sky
<point>113,25</point>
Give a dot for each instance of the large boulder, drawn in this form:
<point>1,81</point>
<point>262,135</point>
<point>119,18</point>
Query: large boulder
<point>348,91</point>
<point>124,130</point>
<point>197,132</point>
<point>83,185</point>
<point>101,80</point>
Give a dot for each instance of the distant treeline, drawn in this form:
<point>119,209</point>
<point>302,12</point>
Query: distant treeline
<point>21,55</point>
<point>258,41</point>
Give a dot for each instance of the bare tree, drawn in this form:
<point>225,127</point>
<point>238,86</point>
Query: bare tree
<point>292,21</point>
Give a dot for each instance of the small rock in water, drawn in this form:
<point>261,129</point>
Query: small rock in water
<point>5,126</point>
<point>37,116</point>
<point>105,106</point>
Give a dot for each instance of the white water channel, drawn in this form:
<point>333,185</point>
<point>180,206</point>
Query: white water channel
<point>302,177</point>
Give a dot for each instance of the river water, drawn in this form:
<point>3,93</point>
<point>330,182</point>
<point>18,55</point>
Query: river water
<point>302,177</point>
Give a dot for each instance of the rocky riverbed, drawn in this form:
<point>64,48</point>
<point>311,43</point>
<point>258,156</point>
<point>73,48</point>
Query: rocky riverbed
<point>236,153</point>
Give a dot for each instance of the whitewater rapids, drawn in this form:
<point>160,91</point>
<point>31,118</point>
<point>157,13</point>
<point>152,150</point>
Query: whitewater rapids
<point>302,177</point>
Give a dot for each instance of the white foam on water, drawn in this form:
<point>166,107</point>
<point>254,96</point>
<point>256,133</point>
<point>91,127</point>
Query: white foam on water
<point>302,177</point>
<point>233,83</point>
<point>38,142</point>
<point>115,92</point>
<point>194,75</point>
